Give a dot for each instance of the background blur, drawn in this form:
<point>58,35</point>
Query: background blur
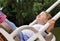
<point>22,12</point>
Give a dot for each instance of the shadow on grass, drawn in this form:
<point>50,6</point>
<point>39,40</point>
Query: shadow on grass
<point>56,32</point>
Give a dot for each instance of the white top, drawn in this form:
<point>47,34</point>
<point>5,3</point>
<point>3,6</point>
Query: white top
<point>29,33</point>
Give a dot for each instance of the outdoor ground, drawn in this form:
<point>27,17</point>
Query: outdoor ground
<point>56,32</point>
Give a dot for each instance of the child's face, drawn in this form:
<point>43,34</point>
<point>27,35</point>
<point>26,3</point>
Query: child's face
<point>42,18</point>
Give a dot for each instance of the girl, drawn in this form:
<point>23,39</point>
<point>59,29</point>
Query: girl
<point>42,19</point>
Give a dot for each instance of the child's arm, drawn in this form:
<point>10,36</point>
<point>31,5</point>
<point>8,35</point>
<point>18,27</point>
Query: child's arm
<point>11,24</point>
<point>52,22</point>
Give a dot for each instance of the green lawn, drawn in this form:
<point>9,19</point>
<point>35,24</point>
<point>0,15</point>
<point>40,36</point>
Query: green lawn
<point>56,32</point>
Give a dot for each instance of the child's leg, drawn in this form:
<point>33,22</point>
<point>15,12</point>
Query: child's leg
<point>12,25</point>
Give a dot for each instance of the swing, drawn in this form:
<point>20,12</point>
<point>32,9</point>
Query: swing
<point>37,36</point>
<point>7,28</point>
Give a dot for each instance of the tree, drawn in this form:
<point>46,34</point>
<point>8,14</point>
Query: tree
<point>24,11</point>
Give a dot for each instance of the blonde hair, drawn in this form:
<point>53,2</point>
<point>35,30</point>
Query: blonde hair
<point>48,15</point>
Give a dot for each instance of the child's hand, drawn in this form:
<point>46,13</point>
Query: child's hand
<point>51,22</point>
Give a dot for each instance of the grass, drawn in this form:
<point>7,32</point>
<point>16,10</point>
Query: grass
<point>56,32</point>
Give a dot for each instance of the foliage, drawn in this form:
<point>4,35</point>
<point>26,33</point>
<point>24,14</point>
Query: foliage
<point>24,11</point>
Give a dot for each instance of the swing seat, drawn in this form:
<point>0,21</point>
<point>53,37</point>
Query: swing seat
<point>3,33</point>
<point>2,38</point>
<point>7,29</point>
<point>50,37</point>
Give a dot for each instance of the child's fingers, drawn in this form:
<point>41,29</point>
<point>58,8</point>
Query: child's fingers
<point>51,21</point>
